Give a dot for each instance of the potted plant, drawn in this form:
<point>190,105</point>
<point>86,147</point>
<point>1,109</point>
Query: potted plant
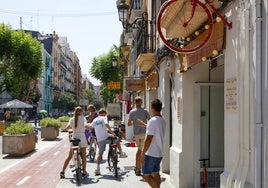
<point>50,128</point>
<point>19,138</point>
<point>64,121</point>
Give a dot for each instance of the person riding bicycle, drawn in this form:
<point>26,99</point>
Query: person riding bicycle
<point>100,124</point>
<point>78,125</point>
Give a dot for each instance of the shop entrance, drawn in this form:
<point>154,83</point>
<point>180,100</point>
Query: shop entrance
<point>210,142</point>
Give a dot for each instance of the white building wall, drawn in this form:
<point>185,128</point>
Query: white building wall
<point>238,122</point>
<point>183,156</point>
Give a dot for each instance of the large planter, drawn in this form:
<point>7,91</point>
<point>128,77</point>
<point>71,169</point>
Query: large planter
<point>18,144</point>
<point>49,133</point>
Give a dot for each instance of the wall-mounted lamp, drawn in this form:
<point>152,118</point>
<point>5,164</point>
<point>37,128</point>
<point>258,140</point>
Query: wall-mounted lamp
<point>123,9</point>
<point>114,62</point>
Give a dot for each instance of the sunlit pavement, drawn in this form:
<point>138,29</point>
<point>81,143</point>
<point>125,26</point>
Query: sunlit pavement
<point>41,168</point>
<point>126,175</point>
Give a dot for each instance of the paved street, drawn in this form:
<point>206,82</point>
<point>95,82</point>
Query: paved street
<point>41,168</point>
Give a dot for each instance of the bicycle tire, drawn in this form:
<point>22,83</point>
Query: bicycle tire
<point>109,159</point>
<point>184,50</point>
<point>115,162</point>
<point>78,170</point>
<point>92,149</point>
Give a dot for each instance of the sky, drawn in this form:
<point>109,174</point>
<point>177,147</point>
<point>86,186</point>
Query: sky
<point>91,27</point>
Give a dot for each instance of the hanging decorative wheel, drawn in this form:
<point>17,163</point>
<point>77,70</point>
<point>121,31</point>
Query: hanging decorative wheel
<point>191,21</point>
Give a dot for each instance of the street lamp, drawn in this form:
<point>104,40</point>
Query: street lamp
<point>123,12</point>
<point>123,9</point>
<point>114,62</point>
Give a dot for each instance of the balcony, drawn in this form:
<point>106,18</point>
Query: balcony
<point>145,61</point>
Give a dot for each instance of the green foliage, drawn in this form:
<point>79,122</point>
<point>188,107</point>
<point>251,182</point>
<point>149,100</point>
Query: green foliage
<point>19,127</point>
<point>13,118</point>
<point>64,102</point>
<point>64,118</point>
<point>89,94</point>
<point>102,69</point>
<point>20,61</point>
<point>50,122</point>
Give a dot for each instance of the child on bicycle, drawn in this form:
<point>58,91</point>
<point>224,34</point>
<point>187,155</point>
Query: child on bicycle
<point>101,126</point>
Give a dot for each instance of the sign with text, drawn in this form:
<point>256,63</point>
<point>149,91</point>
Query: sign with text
<point>231,101</point>
<point>135,84</point>
<point>113,85</point>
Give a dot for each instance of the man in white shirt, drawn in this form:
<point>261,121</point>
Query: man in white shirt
<point>101,126</point>
<point>152,152</point>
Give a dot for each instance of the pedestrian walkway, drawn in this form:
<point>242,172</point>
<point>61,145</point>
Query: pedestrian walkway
<point>126,176</point>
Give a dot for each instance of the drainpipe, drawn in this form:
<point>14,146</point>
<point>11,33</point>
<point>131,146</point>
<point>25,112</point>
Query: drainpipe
<point>258,124</point>
<point>244,100</point>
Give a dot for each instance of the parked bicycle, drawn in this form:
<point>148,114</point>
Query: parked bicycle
<point>113,156</point>
<point>92,149</point>
<point>77,159</point>
<point>204,178</point>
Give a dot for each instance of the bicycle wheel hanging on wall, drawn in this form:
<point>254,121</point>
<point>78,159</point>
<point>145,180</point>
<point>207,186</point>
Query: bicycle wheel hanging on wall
<point>181,25</point>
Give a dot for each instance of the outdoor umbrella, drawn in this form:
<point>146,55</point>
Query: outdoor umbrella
<point>15,104</point>
<point>44,112</point>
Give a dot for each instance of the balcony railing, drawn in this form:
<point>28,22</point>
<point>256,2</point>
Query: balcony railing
<point>136,4</point>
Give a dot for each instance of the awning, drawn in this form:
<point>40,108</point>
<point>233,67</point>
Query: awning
<point>178,12</point>
<point>145,61</point>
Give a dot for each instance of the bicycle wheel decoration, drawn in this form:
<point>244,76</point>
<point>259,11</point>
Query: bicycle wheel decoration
<point>178,25</point>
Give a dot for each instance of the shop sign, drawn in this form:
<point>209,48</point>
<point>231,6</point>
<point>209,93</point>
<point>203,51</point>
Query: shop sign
<point>113,85</point>
<point>231,101</point>
<point>135,84</point>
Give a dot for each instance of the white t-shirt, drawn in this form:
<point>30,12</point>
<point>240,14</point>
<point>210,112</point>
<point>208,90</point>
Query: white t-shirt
<point>81,122</point>
<point>156,127</point>
<point>100,128</point>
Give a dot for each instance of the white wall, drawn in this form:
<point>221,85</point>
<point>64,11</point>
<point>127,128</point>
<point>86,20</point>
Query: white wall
<point>182,152</point>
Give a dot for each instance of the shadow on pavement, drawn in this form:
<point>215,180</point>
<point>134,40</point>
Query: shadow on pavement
<point>86,181</point>
<point>10,156</point>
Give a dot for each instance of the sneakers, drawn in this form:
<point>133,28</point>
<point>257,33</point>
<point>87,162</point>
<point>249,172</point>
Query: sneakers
<point>138,173</point>
<point>62,175</point>
<point>85,175</point>
<point>123,155</point>
<point>97,172</point>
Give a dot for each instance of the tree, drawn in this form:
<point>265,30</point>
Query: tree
<point>20,62</point>
<point>64,102</point>
<point>102,69</point>
<point>89,94</point>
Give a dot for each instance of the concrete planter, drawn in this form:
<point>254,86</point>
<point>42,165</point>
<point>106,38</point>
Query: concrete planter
<point>49,133</point>
<point>18,144</point>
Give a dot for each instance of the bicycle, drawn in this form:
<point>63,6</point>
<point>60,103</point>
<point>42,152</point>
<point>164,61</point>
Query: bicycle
<point>92,149</point>
<point>204,179</point>
<point>187,26</point>
<point>77,159</point>
<point>113,156</point>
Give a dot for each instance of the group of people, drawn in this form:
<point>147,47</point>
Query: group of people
<point>148,131</point>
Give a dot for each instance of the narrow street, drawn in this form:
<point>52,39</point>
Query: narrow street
<point>40,168</point>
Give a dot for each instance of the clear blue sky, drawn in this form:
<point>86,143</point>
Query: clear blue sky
<point>92,27</point>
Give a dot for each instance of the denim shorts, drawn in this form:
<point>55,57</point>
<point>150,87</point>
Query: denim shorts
<point>151,165</point>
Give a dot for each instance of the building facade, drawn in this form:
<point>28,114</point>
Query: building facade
<point>214,97</point>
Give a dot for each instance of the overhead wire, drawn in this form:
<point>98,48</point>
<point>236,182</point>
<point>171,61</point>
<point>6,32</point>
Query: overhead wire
<point>57,14</point>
